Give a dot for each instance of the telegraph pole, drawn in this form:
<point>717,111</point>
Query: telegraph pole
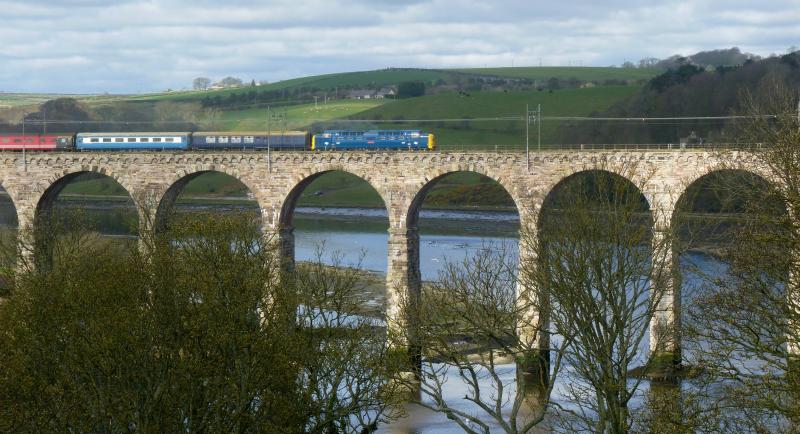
<point>527,141</point>
<point>24,146</point>
<point>539,127</point>
<point>269,133</point>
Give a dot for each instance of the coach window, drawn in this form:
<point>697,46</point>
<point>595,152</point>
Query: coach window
<point>108,140</point>
<point>119,140</point>
<point>95,140</point>
<point>249,139</point>
<point>156,139</point>
<point>211,139</point>
<point>169,139</point>
<point>131,139</point>
<point>236,140</point>
<point>223,139</point>
<point>145,140</point>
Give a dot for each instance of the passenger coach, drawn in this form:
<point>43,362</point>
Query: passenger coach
<point>132,141</point>
<point>294,140</point>
<point>35,142</point>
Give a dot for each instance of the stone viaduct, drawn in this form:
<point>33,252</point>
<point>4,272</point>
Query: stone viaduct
<point>402,179</point>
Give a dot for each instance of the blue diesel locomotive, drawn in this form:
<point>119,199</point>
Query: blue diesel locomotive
<point>373,139</point>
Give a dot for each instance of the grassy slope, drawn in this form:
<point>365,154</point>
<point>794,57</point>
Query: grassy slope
<point>296,116</point>
<point>394,76</point>
<point>324,82</point>
<point>581,72</point>
<point>504,133</point>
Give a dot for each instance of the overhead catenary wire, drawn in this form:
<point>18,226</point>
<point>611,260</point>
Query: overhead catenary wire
<point>666,120</point>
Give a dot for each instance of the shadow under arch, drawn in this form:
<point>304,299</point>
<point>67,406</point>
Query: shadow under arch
<point>718,221</point>
<point>589,182</point>
<point>289,204</point>
<point>9,233</point>
<point>723,191</point>
<point>166,204</point>
<point>10,220</point>
<point>46,224</point>
<point>412,272</point>
<point>412,214</point>
<point>592,220</point>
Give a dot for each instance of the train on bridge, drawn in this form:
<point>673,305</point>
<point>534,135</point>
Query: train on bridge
<point>228,140</point>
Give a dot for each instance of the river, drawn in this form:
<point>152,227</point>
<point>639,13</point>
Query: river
<point>360,237</point>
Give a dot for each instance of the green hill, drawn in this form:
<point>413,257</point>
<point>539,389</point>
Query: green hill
<point>481,119</point>
<point>337,84</point>
<point>586,73</point>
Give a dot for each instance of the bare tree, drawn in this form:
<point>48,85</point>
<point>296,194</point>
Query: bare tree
<point>744,326</point>
<point>469,327</point>
<point>604,271</point>
<point>201,83</point>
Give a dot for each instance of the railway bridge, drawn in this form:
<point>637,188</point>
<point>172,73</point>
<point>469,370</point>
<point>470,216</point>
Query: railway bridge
<point>402,179</point>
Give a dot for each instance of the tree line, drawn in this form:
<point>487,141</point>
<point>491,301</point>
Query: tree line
<point>686,90</point>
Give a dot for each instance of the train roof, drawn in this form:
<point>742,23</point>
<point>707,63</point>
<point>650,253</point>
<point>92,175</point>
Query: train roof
<point>36,134</point>
<point>370,131</point>
<point>143,133</point>
<point>251,133</point>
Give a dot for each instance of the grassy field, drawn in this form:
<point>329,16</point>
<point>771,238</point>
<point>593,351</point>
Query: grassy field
<point>323,82</point>
<point>296,116</point>
<point>393,76</point>
<point>488,133</point>
<point>588,73</point>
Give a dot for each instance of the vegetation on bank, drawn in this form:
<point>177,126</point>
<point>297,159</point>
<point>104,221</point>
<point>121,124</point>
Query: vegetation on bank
<point>688,90</point>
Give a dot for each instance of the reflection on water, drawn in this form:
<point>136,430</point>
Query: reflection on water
<point>361,236</point>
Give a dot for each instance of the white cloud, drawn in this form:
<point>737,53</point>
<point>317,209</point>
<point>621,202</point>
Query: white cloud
<point>129,46</point>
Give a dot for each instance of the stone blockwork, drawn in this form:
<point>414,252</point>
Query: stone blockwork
<point>402,179</point>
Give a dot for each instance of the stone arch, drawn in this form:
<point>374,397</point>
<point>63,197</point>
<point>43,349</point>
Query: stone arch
<point>299,182</point>
<point>551,188</point>
<point>57,181</point>
<point>283,225</point>
<point>14,198</point>
<point>713,235</point>
<point>166,200</point>
<point>420,191</point>
<point>762,176</point>
<point>41,205</point>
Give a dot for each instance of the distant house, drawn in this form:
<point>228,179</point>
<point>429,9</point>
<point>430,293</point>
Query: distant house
<point>360,94</point>
<point>386,92</point>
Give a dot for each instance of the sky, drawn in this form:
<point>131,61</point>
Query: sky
<point>96,46</point>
